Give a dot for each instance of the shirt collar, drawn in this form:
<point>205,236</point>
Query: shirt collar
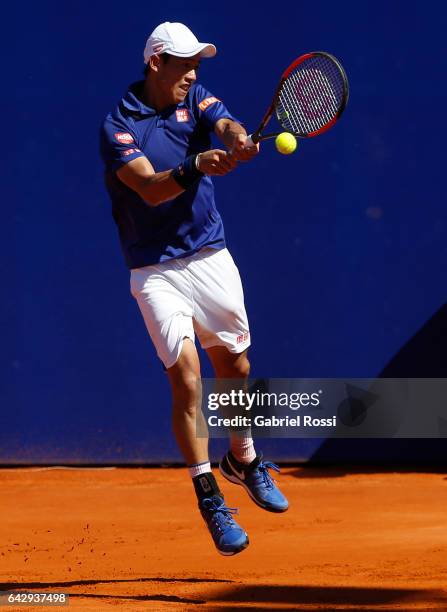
<point>132,101</point>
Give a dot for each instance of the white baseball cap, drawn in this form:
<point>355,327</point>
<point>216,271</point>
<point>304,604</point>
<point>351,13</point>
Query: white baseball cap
<point>176,39</point>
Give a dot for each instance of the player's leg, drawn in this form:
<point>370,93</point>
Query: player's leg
<point>236,366</point>
<point>184,377</point>
<point>241,465</point>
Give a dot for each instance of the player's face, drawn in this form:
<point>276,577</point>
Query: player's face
<point>176,75</point>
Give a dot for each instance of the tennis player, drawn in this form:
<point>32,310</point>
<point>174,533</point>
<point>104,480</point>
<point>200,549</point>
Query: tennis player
<point>158,167</point>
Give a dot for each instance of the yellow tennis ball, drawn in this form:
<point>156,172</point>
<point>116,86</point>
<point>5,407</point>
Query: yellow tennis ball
<point>286,143</point>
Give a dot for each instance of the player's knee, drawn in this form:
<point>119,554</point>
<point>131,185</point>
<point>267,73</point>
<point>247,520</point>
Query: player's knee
<point>242,367</point>
<point>186,388</point>
<point>188,383</point>
<point>237,368</point>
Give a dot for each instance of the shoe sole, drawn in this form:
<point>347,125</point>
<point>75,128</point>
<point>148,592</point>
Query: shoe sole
<point>235,552</point>
<point>237,481</point>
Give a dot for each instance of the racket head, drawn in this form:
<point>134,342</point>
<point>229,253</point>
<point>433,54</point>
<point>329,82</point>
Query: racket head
<point>312,94</point>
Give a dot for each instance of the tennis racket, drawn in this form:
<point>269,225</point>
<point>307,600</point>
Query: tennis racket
<point>310,98</point>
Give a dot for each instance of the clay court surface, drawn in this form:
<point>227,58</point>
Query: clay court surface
<point>131,539</point>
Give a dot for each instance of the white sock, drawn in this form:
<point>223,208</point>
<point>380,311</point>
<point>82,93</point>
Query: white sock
<point>199,468</point>
<point>242,448</point>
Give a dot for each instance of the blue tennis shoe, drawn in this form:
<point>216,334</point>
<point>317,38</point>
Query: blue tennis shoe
<point>256,479</point>
<point>228,537</point>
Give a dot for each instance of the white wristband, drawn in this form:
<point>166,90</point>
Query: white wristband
<point>249,142</point>
<point>197,162</point>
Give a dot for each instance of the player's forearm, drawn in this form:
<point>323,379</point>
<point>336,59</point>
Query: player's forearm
<point>152,187</point>
<point>159,187</point>
<point>228,130</point>
<point>165,186</point>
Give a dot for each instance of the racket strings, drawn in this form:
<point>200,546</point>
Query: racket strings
<point>311,96</point>
<point>315,107</point>
<point>310,99</point>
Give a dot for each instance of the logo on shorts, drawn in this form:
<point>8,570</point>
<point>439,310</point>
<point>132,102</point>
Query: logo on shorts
<point>207,102</point>
<point>124,137</point>
<point>242,338</point>
<point>182,115</point>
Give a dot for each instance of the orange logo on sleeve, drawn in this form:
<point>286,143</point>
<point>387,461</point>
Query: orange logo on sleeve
<point>207,102</point>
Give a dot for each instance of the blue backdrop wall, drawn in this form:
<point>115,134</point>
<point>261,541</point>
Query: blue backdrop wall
<point>341,246</point>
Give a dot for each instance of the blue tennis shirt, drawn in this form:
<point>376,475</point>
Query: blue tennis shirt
<point>187,223</point>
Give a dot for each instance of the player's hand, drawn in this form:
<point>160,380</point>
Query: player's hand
<point>242,153</point>
<point>216,162</point>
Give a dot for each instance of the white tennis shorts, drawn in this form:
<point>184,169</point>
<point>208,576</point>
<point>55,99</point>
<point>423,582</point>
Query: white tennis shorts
<point>201,293</point>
